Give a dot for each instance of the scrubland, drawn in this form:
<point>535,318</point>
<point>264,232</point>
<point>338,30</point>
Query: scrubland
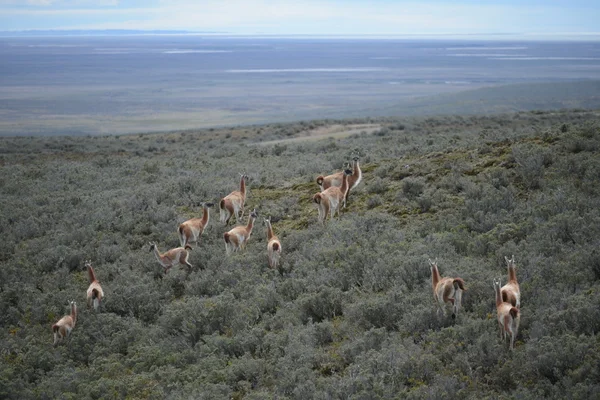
<point>350,313</point>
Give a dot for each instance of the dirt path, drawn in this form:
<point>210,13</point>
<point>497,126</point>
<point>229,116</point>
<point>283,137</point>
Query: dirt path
<point>331,131</point>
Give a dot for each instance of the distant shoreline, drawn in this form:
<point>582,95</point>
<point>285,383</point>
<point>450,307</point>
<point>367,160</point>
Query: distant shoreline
<point>511,36</point>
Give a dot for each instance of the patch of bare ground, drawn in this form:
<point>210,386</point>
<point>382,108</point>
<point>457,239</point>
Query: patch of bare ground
<point>329,131</point>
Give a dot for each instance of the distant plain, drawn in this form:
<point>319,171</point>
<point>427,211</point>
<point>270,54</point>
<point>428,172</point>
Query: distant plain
<point>132,84</point>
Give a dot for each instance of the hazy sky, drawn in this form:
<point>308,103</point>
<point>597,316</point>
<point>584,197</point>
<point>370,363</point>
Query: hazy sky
<point>345,17</point>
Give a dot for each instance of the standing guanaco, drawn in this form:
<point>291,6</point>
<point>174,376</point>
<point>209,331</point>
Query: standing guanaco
<point>446,290</point>
<point>192,229</point>
<point>273,245</point>
<point>331,199</point>
<point>233,203</point>
<point>95,294</point>
<point>171,258</point>
<point>62,329</point>
<point>325,182</point>
<point>511,292</point>
<point>355,178</point>
<point>509,316</point>
<point>237,238</point>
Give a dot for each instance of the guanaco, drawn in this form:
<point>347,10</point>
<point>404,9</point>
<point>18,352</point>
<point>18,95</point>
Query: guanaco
<point>337,178</point>
<point>323,206</point>
<point>62,329</point>
<point>192,229</point>
<point>171,258</point>
<point>511,292</point>
<point>355,178</point>
<point>95,294</point>
<point>237,238</point>
<point>273,245</point>
<point>335,197</point>
<point>325,182</point>
<point>509,316</point>
<point>446,290</point>
<point>233,203</point>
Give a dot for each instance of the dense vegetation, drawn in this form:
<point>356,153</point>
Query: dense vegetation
<point>351,313</point>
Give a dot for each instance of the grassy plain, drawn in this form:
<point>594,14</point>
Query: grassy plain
<point>350,314</point>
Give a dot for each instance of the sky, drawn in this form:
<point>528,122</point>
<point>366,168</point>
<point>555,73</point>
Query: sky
<point>529,18</point>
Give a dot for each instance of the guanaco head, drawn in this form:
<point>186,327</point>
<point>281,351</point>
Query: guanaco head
<point>87,263</point>
<point>208,204</point>
<point>432,264</point>
<point>497,283</point>
<point>254,214</point>
<point>152,246</point>
<point>348,172</point>
<point>267,221</point>
<point>355,156</point>
<point>510,261</point>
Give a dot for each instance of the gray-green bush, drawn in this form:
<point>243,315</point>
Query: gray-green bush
<point>350,313</point>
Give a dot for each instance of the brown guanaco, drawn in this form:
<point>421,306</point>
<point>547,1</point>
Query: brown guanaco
<point>233,203</point>
<point>192,229</point>
<point>446,290</point>
<point>511,292</point>
<point>237,238</point>
<point>330,200</point>
<point>273,245</point>
<point>94,294</point>
<point>63,328</point>
<point>171,258</point>
<point>509,316</point>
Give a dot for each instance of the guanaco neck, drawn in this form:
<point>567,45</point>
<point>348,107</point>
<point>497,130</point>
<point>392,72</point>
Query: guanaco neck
<point>357,172</point>
<point>243,186</point>
<point>91,274</point>
<point>250,224</point>
<point>512,273</point>
<point>269,231</point>
<point>344,187</point>
<point>157,254</point>
<point>435,276</point>
<point>205,215</point>
<point>74,313</point>
<point>498,295</point>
